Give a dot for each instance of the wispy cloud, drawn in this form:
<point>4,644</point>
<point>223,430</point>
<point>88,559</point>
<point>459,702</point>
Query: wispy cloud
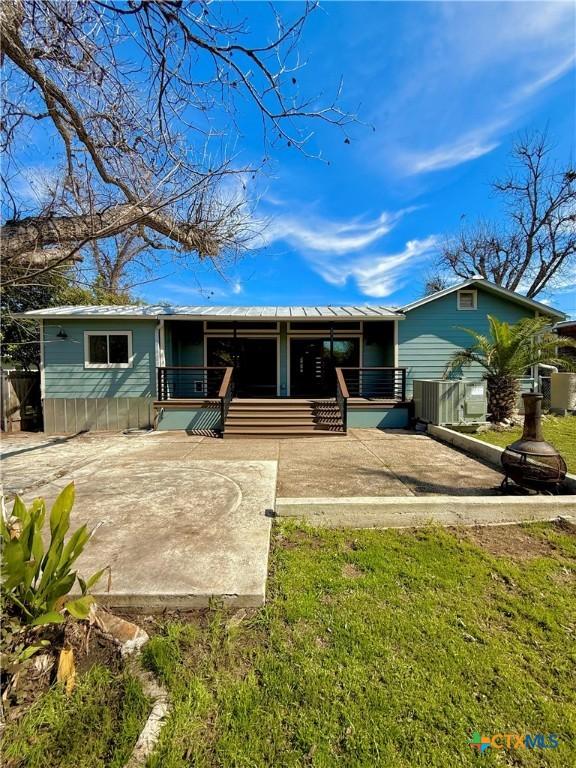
<point>382,274</point>
<point>321,235</point>
<point>463,149</point>
<point>343,250</point>
<point>472,61</point>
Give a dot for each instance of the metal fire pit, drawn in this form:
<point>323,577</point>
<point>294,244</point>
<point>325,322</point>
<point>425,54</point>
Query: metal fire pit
<point>531,462</point>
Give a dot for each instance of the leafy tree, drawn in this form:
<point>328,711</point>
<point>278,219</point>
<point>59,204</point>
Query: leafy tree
<point>536,244</point>
<point>20,338</point>
<point>507,353</point>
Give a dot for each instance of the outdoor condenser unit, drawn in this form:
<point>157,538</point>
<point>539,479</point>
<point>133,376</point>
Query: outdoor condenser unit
<point>448,401</point>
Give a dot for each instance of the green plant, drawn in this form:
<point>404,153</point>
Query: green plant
<point>37,579</point>
<point>507,353</point>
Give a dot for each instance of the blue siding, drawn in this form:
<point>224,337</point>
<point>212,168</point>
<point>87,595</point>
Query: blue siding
<point>429,335</point>
<point>378,344</point>
<point>184,342</point>
<point>192,419</point>
<point>385,418</point>
<point>64,372</point>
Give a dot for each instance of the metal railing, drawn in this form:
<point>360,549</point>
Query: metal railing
<point>190,382</point>
<point>342,398</point>
<point>376,383</point>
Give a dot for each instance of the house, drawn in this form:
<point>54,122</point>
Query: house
<point>256,370</point>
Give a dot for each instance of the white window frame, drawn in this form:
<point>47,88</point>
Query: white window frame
<point>474,300</point>
<point>88,364</point>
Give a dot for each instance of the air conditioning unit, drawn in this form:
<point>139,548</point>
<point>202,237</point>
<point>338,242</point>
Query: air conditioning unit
<point>447,401</point>
<point>563,392</point>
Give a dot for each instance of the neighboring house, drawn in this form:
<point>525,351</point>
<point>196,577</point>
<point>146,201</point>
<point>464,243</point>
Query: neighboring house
<point>289,369</point>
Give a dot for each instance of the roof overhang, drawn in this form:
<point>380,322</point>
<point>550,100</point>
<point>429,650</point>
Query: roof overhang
<point>148,312</point>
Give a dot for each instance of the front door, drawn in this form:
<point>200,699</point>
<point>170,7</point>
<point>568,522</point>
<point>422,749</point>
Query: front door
<point>254,362</point>
<point>312,364</point>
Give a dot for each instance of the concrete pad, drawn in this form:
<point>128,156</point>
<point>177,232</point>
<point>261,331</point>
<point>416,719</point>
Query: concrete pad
<point>176,534</point>
<point>238,449</point>
<point>338,469</point>
<point>372,433</point>
<point>30,462</point>
<point>390,512</point>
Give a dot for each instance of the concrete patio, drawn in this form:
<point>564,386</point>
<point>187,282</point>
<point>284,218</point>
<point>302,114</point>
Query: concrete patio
<point>187,518</point>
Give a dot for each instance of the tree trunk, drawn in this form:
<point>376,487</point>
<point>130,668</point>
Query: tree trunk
<point>502,397</point>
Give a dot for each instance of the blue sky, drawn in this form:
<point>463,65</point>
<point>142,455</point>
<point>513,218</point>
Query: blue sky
<point>446,87</point>
<point>442,89</point>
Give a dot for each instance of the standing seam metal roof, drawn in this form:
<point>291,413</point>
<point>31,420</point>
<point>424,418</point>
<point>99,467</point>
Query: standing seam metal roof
<point>153,311</point>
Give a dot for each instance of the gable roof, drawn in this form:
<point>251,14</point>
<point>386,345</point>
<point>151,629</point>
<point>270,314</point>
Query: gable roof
<point>152,312</point>
<point>480,282</point>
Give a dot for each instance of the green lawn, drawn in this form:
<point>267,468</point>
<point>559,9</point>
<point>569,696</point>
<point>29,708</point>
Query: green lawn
<point>558,430</point>
<point>376,648</point>
<point>382,648</point>
<point>96,727</point>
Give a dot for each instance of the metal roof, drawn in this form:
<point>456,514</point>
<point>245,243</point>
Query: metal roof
<point>156,311</point>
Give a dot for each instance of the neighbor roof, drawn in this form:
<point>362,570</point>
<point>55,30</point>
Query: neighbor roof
<point>475,282</point>
<point>157,311</point>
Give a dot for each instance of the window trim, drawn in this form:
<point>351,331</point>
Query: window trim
<point>88,364</point>
<point>474,299</point>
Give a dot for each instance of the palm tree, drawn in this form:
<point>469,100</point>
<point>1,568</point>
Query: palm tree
<point>507,353</point>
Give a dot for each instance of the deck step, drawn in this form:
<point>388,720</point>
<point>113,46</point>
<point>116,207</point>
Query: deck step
<point>299,417</point>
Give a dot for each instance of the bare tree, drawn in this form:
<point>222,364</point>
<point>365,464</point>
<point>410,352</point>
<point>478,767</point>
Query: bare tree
<point>537,243</point>
<point>142,97</point>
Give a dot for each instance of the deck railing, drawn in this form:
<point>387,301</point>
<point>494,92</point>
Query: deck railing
<point>342,396</point>
<point>190,382</point>
<point>225,394</point>
<point>376,383</point>
<point>193,382</point>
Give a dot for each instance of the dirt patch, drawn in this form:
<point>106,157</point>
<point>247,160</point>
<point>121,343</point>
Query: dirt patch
<point>510,541</point>
<point>351,571</point>
<point>23,682</point>
<point>298,537</point>
<point>91,646</point>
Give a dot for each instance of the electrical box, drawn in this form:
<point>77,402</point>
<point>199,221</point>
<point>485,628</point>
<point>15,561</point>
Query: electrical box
<point>448,401</point>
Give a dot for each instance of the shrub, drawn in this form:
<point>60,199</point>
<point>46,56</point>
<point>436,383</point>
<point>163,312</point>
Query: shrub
<point>37,579</point>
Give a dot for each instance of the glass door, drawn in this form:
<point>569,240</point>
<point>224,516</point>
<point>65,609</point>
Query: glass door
<point>254,362</point>
<point>312,364</point>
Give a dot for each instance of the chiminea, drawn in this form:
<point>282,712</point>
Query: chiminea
<point>532,462</point>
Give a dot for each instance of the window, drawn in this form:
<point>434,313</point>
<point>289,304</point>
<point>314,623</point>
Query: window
<point>311,325</point>
<point>110,349</point>
<point>466,299</point>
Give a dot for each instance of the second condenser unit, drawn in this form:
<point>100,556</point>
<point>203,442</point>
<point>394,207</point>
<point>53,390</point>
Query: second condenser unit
<point>448,401</point>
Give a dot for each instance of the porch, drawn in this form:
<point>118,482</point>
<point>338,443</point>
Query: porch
<point>203,400</point>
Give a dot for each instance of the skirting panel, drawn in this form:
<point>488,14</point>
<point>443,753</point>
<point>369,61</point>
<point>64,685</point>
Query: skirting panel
<point>98,414</point>
<point>386,418</point>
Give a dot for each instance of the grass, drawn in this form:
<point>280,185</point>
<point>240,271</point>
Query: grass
<point>381,648</point>
<point>558,430</point>
<point>96,727</point>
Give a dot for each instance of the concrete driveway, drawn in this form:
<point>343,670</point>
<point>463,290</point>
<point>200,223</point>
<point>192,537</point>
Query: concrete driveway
<point>176,532</point>
<point>185,519</point>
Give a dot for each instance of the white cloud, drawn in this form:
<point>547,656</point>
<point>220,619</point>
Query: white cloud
<point>378,275</point>
<point>465,148</point>
<point>340,251</point>
<point>476,69</point>
<point>320,235</point>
